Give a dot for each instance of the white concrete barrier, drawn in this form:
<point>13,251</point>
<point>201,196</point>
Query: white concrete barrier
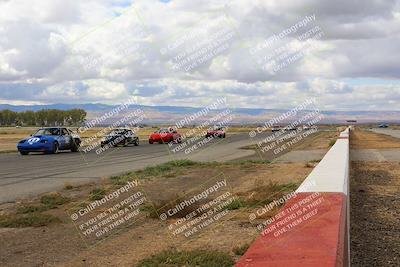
<point>317,234</point>
<point>332,173</point>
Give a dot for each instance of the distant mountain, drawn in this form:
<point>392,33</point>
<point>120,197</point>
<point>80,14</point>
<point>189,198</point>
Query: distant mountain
<point>172,114</point>
<point>104,107</point>
<point>87,107</point>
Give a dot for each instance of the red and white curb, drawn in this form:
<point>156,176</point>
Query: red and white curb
<point>312,229</point>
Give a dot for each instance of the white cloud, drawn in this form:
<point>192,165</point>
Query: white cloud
<point>105,51</point>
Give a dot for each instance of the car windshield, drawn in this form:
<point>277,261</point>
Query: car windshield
<point>116,132</point>
<point>48,131</point>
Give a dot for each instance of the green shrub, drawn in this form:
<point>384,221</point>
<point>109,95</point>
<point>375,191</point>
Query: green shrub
<point>52,200</point>
<point>240,250</point>
<point>31,209</point>
<point>97,194</point>
<point>30,220</point>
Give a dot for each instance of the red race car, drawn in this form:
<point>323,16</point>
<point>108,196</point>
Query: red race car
<point>216,132</point>
<point>166,135</point>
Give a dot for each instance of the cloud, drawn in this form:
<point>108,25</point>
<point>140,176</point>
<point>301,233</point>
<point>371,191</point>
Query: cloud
<point>185,53</point>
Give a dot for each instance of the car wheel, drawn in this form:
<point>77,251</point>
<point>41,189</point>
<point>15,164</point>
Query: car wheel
<point>151,141</point>
<point>56,147</point>
<point>24,152</point>
<point>125,143</point>
<point>74,146</point>
<point>161,141</point>
<point>136,142</point>
<point>223,136</point>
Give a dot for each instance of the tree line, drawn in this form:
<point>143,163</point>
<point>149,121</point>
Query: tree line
<point>44,117</point>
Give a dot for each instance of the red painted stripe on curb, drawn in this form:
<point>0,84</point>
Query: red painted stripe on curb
<point>317,239</point>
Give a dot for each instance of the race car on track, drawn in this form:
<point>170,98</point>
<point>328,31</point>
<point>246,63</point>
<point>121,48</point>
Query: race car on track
<point>383,125</point>
<point>50,140</point>
<point>165,135</point>
<point>121,136</point>
<point>290,128</point>
<point>276,128</point>
<point>216,132</point>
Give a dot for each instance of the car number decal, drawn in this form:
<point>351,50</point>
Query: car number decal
<point>33,140</point>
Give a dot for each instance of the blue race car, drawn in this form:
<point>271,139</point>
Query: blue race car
<point>50,140</point>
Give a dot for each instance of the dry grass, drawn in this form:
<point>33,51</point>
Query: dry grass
<point>254,186</point>
<point>194,258</point>
<point>374,204</point>
<point>321,140</point>
<point>27,220</point>
<point>9,137</point>
<point>362,139</point>
<point>33,214</point>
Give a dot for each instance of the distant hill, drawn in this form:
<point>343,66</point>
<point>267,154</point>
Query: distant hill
<point>171,114</point>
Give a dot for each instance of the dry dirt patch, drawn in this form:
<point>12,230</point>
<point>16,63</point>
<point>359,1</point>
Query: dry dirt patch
<point>374,204</point>
<point>60,244</point>
<point>363,139</point>
<point>321,140</point>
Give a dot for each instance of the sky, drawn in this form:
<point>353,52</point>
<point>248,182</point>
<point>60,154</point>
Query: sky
<point>257,54</point>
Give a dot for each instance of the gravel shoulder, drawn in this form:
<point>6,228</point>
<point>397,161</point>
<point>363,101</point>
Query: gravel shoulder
<point>375,203</point>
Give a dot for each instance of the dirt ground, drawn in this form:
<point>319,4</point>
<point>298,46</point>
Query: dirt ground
<point>363,139</point>
<point>375,205</point>
<point>317,141</point>
<point>60,244</point>
<point>320,141</point>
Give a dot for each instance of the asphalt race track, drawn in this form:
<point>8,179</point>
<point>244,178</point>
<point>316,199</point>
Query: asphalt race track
<point>26,176</point>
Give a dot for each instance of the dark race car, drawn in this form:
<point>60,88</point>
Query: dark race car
<point>216,132</point>
<point>276,128</point>
<point>167,135</point>
<point>383,125</point>
<point>50,140</point>
<point>290,128</point>
<point>120,137</point>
